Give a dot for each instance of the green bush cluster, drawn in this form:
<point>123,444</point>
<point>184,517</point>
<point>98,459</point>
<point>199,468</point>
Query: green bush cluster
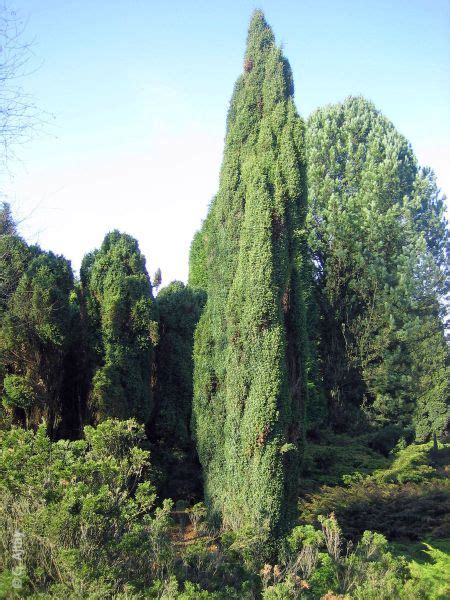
<point>408,498</point>
<point>87,510</point>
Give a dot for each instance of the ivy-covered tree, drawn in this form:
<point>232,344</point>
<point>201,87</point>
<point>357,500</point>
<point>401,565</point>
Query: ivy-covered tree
<point>375,225</point>
<point>249,351</point>
<point>198,270</point>
<point>119,310</point>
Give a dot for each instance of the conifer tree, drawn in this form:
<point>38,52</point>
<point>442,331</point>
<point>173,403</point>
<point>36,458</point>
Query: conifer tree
<point>179,309</point>
<point>15,254</point>
<point>169,431</point>
<point>377,236</point>
<point>249,363</point>
<point>122,330</point>
<point>7,224</point>
<point>34,339</point>
<point>39,362</point>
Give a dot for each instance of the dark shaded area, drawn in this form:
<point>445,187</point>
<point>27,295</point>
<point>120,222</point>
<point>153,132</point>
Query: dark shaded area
<point>169,428</point>
<point>401,512</point>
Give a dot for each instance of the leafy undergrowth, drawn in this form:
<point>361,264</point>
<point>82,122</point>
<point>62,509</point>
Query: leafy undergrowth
<point>407,497</point>
<point>337,456</point>
<point>417,551</point>
<point>431,579</point>
<point>416,463</point>
<point>410,511</point>
<point>93,527</point>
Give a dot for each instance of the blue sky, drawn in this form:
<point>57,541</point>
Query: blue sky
<point>136,93</point>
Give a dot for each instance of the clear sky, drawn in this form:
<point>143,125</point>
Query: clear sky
<point>136,93</point>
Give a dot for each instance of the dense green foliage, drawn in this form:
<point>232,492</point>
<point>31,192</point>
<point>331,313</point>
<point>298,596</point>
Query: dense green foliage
<point>431,580</point>
<point>122,330</point>
<point>90,521</point>
<point>377,237</point>
<point>179,309</point>
<point>409,487</point>
<point>93,528</point>
<point>169,429</point>
<point>276,429</point>
<point>35,318</point>
<point>249,382</point>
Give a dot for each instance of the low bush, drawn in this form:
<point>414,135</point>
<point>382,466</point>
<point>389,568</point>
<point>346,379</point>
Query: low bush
<point>408,498</point>
<point>338,456</point>
<point>321,563</point>
<point>88,518</point>
<point>430,580</point>
<point>411,464</point>
<point>409,511</point>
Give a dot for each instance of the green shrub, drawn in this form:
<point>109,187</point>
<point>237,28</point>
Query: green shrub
<point>430,581</point>
<point>89,519</point>
<point>318,561</point>
<point>338,456</point>
<point>17,392</point>
<point>412,463</point>
<point>408,511</point>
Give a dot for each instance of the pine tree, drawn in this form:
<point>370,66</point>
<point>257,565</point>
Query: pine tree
<point>7,223</point>
<point>249,362</point>
<point>122,330</point>
<point>375,221</point>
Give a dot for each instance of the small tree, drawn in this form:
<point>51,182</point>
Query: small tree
<point>197,513</point>
<point>157,279</point>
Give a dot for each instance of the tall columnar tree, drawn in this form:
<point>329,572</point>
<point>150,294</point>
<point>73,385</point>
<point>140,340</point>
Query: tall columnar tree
<point>76,373</point>
<point>377,236</point>
<point>119,309</point>
<point>40,348</point>
<point>14,255</point>
<point>249,371</point>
